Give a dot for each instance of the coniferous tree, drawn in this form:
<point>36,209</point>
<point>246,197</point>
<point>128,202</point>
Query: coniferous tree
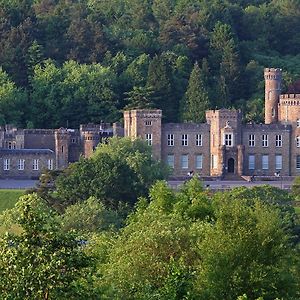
<point>140,97</point>
<point>195,101</point>
<point>225,56</point>
<point>160,79</point>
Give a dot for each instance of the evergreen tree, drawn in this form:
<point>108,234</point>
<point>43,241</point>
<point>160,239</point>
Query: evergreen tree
<point>139,97</point>
<point>160,79</point>
<point>225,56</point>
<point>35,55</point>
<point>196,100</point>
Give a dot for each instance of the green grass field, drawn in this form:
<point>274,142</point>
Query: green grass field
<point>8,198</point>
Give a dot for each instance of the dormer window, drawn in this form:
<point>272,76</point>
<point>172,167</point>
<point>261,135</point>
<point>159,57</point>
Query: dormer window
<point>148,123</point>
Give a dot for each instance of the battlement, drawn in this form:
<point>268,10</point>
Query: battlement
<point>186,126</point>
<point>144,113</point>
<point>223,113</point>
<point>272,70</point>
<point>39,131</point>
<point>272,74</point>
<point>290,99</point>
<point>96,127</point>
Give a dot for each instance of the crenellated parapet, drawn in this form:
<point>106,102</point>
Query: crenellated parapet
<point>290,99</point>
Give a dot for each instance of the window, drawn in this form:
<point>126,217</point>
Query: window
<point>184,161</point>
<point>184,140</point>
<point>298,141</point>
<point>298,162</point>
<point>265,162</point>
<point>265,140</point>
<point>21,164</point>
<point>35,166</point>
<point>62,149</point>
<point>278,140</point>
<point>170,160</point>
<point>199,161</point>
<point>228,139</point>
<point>214,161</point>
<point>298,123</point>
<point>273,112</point>
<point>198,139</point>
<point>148,123</point>
<point>251,140</point>
<point>170,139</point>
<point>6,165</point>
<point>278,161</point>
<point>148,138</point>
<point>50,164</point>
<point>251,162</point>
<point>73,140</point>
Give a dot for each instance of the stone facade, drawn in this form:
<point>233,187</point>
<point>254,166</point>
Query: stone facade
<point>26,153</point>
<point>224,145</point>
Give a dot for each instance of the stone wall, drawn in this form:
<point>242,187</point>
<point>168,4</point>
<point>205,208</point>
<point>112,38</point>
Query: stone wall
<point>191,150</point>
<point>43,156</point>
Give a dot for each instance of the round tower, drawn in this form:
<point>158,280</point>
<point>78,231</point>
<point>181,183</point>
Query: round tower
<point>272,92</point>
<point>90,142</point>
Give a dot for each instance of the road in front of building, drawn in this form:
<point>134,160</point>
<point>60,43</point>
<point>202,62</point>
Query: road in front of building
<point>17,184</point>
<point>214,185</point>
<point>224,185</point>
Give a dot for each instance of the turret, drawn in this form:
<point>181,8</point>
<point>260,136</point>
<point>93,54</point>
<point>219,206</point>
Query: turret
<point>62,137</point>
<point>272,92</point>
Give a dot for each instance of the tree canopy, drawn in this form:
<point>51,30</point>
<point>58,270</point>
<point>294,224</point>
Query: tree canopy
<point>84,61</point>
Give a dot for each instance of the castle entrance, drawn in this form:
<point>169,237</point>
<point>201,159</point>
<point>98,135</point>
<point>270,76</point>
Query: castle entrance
<point>230,165</point>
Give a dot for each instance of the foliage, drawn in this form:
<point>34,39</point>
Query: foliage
<point>296,188</point>
<point>191,245</point>
<point>134,43</point>
<point>41,262</point>
<point>89,216</point>
<point>119,171</point>
<point>196,100</point>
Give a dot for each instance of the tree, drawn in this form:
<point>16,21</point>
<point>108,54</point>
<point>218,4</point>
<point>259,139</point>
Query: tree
<point>247,251</point>
<point>119,171</point>
<point>41,262</point>
<point>296,187</point>
<point>35,55</point>
<point>160,80</point>
<point>195,101</point>
<point>89,216</point>
<point>139,98</point>
<point>12,101</point>
<point>72,94</point>
<point>193,245</point>
<point>225,58</point>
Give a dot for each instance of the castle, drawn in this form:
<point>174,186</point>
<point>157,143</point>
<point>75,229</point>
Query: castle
<point>223,145</point>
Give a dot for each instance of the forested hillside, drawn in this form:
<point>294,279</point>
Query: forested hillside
<point>66,62</point>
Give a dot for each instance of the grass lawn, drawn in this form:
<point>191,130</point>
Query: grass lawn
<point>297,210</point>
<point>8,198</point>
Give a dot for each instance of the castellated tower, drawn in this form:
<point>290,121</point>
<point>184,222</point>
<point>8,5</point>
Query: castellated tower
<point>62,137</point>
<point>90,142</point>
<point>272,93</point>
<point>145,124</point>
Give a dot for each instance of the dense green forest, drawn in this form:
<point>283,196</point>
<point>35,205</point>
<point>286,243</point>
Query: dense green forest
<point>66,62</point>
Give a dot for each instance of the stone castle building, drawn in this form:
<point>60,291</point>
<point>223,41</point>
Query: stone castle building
<point>221,146</point>
<point>224,145</point>
<point>26,153</point>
